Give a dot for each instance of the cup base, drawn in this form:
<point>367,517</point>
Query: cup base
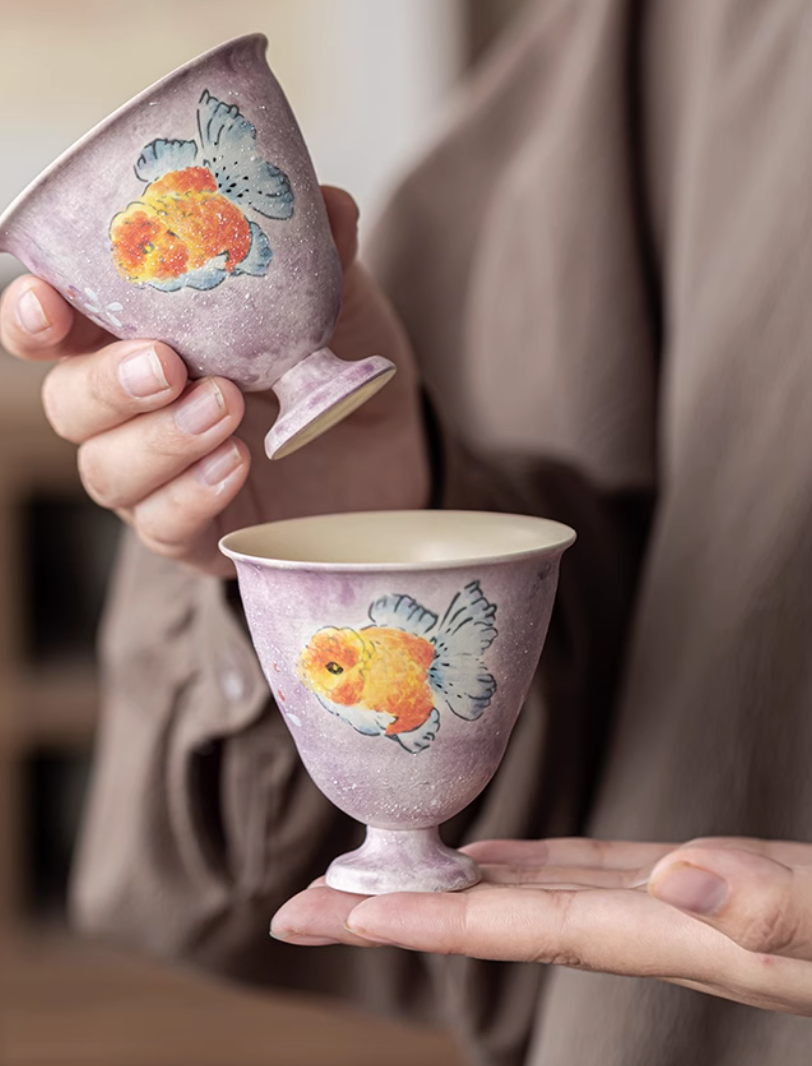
<point>318,393</point>
<point>402,860</point>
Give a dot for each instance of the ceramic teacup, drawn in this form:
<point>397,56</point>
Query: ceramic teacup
<point>400,647</point>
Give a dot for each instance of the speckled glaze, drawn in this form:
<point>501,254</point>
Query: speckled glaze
<point>251,328</point>
<point>402,789</point>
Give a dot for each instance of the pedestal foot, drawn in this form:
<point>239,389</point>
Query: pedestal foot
<point>317,393</point>
<point>402,860</point>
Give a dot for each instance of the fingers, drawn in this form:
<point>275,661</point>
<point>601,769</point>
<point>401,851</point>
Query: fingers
<point>576,877</point>
<point>157,450</point>
<point>317,917</point>
<point>788,852</point>
<point>761,904</point>
<point>127,464</point>
<point>89,394</point>
<point>608,930</point>
<point>36,323</point>
<point>566,851</point>
<point>342,211</point>
<point>174,520</point>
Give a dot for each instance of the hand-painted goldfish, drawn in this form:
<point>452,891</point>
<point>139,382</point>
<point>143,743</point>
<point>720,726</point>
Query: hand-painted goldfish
<point>392,677</point>
<point>189,227</point>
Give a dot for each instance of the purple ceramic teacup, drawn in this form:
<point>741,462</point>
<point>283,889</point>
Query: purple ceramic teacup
<point>192,215</point>
<point>400,647</point>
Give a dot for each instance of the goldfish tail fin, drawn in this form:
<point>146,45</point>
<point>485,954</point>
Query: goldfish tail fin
<point>402,612</point>
<point>458,674</point>
<point>230,152</point>
<point>419,739</point>
<point>162,157</point>
<point>259,254</point>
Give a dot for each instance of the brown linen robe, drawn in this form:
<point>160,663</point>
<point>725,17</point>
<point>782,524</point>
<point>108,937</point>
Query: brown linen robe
<point>606,269</point>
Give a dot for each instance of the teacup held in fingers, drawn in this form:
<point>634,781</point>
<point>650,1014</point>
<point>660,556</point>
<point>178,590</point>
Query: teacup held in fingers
<point>192,215</point>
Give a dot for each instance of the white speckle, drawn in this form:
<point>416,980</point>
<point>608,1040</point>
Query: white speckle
<point>295,719</point>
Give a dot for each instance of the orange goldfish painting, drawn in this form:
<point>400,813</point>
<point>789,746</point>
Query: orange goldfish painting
<point>189,227</point>
<point>393,678</point>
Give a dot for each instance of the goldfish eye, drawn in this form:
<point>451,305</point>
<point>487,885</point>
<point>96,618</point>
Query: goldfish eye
<point>334,668</point>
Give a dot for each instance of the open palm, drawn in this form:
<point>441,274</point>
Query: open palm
<point>727,916</point>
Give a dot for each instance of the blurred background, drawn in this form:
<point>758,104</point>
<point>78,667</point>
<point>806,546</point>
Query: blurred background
<point>370,81</point>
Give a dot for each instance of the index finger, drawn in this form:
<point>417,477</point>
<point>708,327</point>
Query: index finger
<point>36,323</point>
<point>610,931</point>
<point>568,851</point>
<point>317,917</point>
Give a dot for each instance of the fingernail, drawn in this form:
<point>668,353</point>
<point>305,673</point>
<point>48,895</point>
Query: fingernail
<point>30,313</point>
<point>691,889</point>
<point>141,374</point>
<point>215,468</point>
<point>288,936</point>
<point>202,409</point>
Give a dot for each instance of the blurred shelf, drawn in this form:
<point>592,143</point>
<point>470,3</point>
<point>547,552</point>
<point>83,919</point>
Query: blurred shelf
<point>49,704</point>
<point>30,451</point>
<point>73,1004</point>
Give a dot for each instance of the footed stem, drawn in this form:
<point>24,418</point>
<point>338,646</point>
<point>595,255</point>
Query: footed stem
<point>402,860</point>
<point>319,392</point>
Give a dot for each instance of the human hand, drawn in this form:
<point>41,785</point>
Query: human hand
<point>160,450</point>
<point>727,916</point>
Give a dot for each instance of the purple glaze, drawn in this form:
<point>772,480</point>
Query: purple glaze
<point>314,388</point>
<point>249,328</point>
<point>402,860</point>
<point>374,778</point>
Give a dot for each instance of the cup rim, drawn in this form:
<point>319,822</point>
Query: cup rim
<point>559,538</point>
<point>113,117</point>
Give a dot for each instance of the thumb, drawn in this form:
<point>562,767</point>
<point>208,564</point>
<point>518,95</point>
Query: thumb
<point>761,904</point>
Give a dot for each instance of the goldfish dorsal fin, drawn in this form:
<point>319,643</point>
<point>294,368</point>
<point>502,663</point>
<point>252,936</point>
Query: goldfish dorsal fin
<point>230,152</point>
<point>162,157</point>
<point>458,674</point>
<point>469,620</point>
<point>398,611</point>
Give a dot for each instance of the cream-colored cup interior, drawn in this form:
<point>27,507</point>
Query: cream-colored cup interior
<point>398,539</point>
